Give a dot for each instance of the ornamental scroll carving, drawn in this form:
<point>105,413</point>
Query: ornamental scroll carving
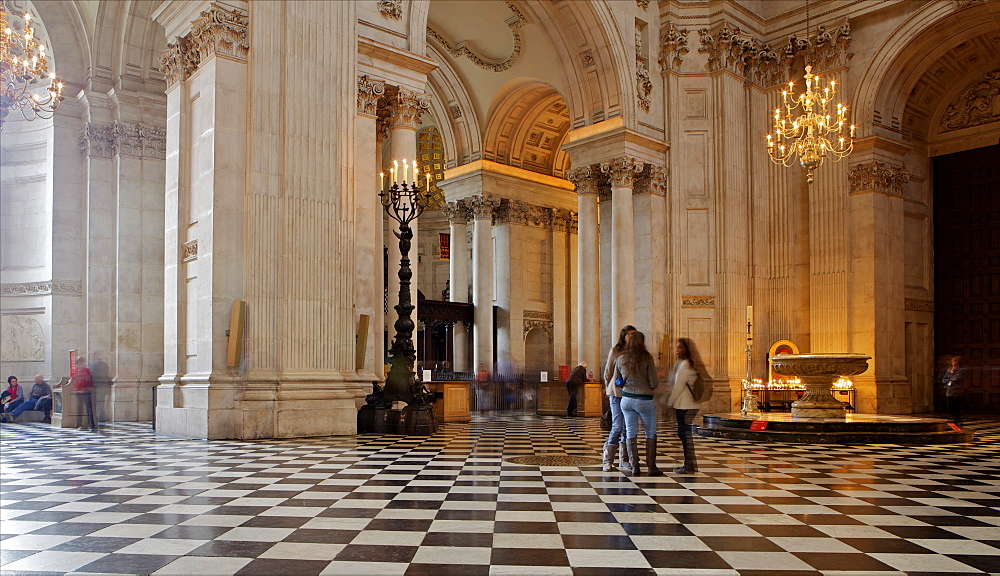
<point>673,47</point>
<point>369,92</point>
<point>21,339</point>
<point>919,305</point>
<point>457,212</point>
<point>42,288</point>
<point>642,4</point>
<point>515,23</point>
<point>391,9</point>
<point>406,107</point>
<point>698,301</point>
<point>533,319</point>
<point>827,49</point>
<point>586,179</point>
<point>622,171</point>
<point>483,206</point>
<point>564,221</point>
<point>643,85</point>
<point>123,139</point>
<point>977,104</point>
<point>218,31</point>
<point>878,177</point>
<point>189,251</point>
<point>652,180</point>
<point>97,140</point>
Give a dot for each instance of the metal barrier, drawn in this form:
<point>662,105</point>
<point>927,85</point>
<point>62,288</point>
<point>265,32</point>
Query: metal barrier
<point>504,393</point>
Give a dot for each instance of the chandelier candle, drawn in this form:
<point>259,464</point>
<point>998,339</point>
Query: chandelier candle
<point>22,66</point>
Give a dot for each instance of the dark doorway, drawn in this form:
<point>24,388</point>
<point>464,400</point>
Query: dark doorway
<point>967,271</point>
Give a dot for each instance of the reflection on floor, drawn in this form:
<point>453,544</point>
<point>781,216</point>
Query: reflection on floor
<point>127,500</point>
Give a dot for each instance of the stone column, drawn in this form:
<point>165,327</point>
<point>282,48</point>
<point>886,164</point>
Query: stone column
<point>405,109</point>
<point>368,225</point>
<point>588,267</point>
<point>622,171</point>
<point>482,208</point>
<point>649,201</point>
<point>458,217</point>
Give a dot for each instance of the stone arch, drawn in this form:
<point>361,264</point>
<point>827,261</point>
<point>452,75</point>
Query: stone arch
<point>538,351</point>
<point>455,114</point>
<point>528,122</point>
<point>127,45</point>
<point>67,35</point>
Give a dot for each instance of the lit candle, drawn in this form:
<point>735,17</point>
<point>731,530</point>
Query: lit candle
<point>416,173</point>
<point>749,315</point>
<point>404,169</point>
<point>428,181</point>
<point>395,170</point>
<point>381,181</point>
<point>852,130</point>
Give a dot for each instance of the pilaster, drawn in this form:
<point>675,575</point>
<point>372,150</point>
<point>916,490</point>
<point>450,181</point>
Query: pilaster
<point>622,171</point>
<point>588,277</point>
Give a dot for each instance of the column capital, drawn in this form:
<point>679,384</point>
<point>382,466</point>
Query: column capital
<point>483,206</point>
<point>369,92</point>
<point>878,177</point>
<point>219,31</point>
<point>457,212</point>
<point>406,107</point>
<point>652,180</point>
<point>586,179</point>
<point>622,171</point>
<point>564,221</point>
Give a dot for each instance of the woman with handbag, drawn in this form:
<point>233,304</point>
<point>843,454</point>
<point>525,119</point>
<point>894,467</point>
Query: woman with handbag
<point>616,436</point>
<point>682,399</point>
<point>637,369</point>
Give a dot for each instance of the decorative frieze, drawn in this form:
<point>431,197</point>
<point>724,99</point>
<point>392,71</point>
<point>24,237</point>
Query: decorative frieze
<point>220,31</point>
<point>673,47</point>
<point>622,171</point>
<point>698,301</point>
<point>978,104</point>
<point>369,92</point>
<point>652,180</point>
<point>406,107</point>
<point>515,23</point>
<point>534,319</point>
<point>482,207</point>
<point>878,177</point>
<point>21,339</point>
<point>391,9</point>
<point>54,287</point>
<point>123,139</point>
<point>518,212</point>
<point>919,305</point>
<point>189,251</point>
<point>564,221</point>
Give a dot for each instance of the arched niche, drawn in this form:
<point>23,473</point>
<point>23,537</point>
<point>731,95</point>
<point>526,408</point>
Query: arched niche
<point>528,122</point>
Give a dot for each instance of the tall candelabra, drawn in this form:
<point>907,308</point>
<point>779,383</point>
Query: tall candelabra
<point>404,202</point>
<point>750,404</point>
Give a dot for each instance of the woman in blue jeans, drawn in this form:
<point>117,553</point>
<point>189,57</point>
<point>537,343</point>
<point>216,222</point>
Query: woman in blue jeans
<point>638,370</point>
<point>616,437</point>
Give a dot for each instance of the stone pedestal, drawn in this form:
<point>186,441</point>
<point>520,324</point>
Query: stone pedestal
<point>818,371</point>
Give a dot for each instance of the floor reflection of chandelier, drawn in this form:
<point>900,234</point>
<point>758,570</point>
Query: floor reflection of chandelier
<point>814,134</point>
<point>23,67</point>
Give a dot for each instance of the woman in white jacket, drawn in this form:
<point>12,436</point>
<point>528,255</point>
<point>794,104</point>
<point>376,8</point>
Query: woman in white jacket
<point>681,399</point>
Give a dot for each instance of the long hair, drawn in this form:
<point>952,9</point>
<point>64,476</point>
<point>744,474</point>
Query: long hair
<point>690,353</point>
<point>635,357</point>
<point>620,345</point>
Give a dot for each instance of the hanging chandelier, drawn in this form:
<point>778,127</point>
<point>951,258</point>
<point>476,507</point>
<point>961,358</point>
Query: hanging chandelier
<point>23,66</point>
<point>814,134</point>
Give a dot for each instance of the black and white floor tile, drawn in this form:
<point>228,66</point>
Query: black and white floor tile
<point>126,500</point>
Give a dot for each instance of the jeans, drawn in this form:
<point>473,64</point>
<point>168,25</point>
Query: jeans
<point>36,404</point>
<point>617,421</point>
<point>684,420</point>
<point>87,398</point>
<point>635,408</point>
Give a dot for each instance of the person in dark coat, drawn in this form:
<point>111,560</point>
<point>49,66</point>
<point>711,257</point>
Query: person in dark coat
<point>576,380</point>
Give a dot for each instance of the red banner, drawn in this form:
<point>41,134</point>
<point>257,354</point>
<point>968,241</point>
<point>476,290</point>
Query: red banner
<point>758,425</point>
<point>445,240</point>
<point>563,373</point>
<point>72,363</point>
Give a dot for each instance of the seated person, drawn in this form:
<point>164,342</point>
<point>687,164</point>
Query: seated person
<point>11,398</point>
<point>40,400</point>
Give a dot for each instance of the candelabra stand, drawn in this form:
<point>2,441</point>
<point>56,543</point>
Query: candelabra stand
<point>750,404</point>
<point>403,202</point>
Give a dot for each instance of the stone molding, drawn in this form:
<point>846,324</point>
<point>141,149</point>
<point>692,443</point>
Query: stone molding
<point>219,31</point>
<point>564,221</point>
<point>698,301</point>
<point>919,305</point>
<point>391,9</point>
<point>652,180</point>
<point>406,107</point>
<point>642,4</point>
<point>673,47</point>
<point>878,177</point>
<point>518,212</point>
<point>123,139</point>
<point>515,23</point>
<point>22,339</point>
<point>963,3</point>
<point>457,212</point>
<point>534,319</point>
<point>53,287</point>
<point>978,104</point>
<point>622,171</point>
<point>643,85</point>
<point>189,251</point>
<point>369,92</point>
<point>586,179</point>
<point>482,207</point>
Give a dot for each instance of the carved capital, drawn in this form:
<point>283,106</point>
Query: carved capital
<point>97,140</point>
<point>827,49</point>
<point>173,63</point>
<point>878,177</point>
<point>483,206</point>
<point>391,9</point>
<point>518,212</point>
<point>457,212</point>
<point>673,47</point>
<point>586,179</point>
<point>564,221</point>
<point>978,104</point>
<point>369,92</point>
<point>220,31</point>
<point>622,171</point>
<point>652,180</point>
<point>407,107</point>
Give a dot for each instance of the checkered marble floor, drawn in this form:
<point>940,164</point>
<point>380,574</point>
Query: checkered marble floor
<point>127,500</point>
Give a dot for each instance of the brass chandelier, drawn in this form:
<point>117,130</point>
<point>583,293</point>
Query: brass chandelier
<point>23,65</point>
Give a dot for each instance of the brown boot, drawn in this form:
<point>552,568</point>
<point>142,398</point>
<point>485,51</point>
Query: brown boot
<point>633,455</point>
<point>651,457</point>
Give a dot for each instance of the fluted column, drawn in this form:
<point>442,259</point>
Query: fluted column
<point>405,109</point>
<point>368,225</point>
<point>622,171</point>
<point>588,269</point>
<point>649,200</point>
<point>482,279</point>
<point>458,217</point>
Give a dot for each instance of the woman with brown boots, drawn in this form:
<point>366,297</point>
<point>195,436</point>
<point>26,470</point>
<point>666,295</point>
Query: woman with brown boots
<point>637,369</point>
<point>686,371</point>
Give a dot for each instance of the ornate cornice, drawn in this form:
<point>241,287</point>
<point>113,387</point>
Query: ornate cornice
<point>482,207</point>
<point>977,104</point>
<point>536,315</point>
<point>123,139</point>
<point>919,305</point>
<point>369,91</point>
<point>673,47</point>
<point>54,287</point>
<point>652,180</point>
<point>391,9</point>
<point>586,179</point>
<point>406,107</point>
<point>219,31</point>
<point>515,23</point>
<point>878,177</point>
<point>698,301</point>
<point>622,171</point>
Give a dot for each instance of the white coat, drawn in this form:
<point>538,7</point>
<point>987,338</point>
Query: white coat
<point>683,377</point>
